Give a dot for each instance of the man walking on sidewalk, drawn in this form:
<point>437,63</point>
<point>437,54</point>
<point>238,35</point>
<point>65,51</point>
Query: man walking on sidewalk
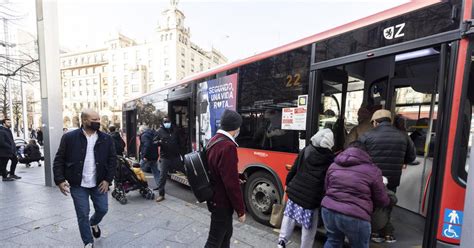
<point>85,166</point>
<point>168,140</point>
<point>7,151</point>
<point>222,161</point>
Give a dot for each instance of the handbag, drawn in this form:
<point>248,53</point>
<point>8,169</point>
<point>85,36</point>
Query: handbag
<point>277,213</point>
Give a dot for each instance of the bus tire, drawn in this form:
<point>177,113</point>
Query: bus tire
<point>261,192</point>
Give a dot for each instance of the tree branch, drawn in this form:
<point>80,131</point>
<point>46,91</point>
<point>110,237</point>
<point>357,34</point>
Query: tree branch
<point>12,74</point>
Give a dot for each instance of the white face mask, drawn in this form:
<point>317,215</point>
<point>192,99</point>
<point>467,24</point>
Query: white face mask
<point>167,125</point>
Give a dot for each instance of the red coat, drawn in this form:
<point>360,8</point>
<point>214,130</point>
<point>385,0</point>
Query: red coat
<point>222,161</point>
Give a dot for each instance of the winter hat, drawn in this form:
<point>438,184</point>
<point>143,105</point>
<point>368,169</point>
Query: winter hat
<point>323,138</point>
<point>381,113</point>
<point>230,120</point>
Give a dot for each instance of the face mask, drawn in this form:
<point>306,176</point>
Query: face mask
<point>167,125</point>
<point>94,126</point>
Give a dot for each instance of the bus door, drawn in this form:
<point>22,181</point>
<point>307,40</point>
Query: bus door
<point>131,132</point>
<point>180,111</point>
<point>407,84</point>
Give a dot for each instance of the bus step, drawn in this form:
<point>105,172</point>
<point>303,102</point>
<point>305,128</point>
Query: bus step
<point>180,178</point>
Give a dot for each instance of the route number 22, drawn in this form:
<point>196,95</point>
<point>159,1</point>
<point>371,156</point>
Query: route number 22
<point>293,81</point>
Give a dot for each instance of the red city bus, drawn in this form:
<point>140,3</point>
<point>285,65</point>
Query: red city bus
<point>415,60</point>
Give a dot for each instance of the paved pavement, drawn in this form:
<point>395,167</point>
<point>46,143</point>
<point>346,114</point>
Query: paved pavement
<point>33,215</point>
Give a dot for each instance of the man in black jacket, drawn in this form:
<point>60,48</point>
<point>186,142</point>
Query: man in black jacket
<point>168,140</point>
<point>149,153</point>
<point>7,151</point>
<point>118,141</point>
<point>390,149</point>
<point>85,166</point>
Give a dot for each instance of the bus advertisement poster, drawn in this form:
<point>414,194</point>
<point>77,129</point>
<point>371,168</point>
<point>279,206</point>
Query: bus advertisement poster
<point>219,94</point>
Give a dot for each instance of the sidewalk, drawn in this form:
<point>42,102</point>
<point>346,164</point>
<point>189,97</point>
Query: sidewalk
<point>34,215</point>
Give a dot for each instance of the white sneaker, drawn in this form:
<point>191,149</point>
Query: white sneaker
<point>90,245</point>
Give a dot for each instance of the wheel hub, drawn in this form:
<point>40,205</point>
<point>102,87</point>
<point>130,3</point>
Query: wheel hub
<point>263,197</point>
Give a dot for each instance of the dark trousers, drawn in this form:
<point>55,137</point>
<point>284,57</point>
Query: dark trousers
<point>165,165</point>
<point>388,229</point>
<point>221,228</point>
<point>3,166</point>
<point>339,226</point>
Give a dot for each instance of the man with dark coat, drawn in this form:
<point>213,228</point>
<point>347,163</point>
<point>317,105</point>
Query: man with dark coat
<point>39,137</point>
<point>7,151</point>
<point>168,139</point>
<point>118,141</point>
<point>390,149</point>
<point>149,153</point>
<point>85,166</point>
<point>222,161</point>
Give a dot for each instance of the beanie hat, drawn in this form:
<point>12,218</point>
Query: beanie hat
<point>230,120</point>
<point>323,138</point>
<point>364,114</point>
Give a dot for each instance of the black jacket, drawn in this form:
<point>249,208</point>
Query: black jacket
<point>32,151</point>
<point>39,135</point>
<point>305,181</point>
<point>390,149</point>
<point>7,144</point>
<point>118,141</point>
<point>69,161</point>
<point>168,140</point>
<point>148,149</point>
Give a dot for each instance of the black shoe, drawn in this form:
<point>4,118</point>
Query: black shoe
<point>15,177</point>
<point>96,231</point>
<point>281,244</point>
<point>7,179</point>
<point>156,188</point>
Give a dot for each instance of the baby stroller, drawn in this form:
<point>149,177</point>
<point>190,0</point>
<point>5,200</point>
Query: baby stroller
<point>26,155</point>
<point>126,180</point>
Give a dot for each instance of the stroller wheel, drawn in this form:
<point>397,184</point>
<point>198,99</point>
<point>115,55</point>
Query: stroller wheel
<point>114,193</point>
<point>123,200</point>
<point>28,165</point>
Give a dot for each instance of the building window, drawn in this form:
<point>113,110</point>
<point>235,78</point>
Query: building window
<point>113,57</point>
<point>65,83</point>
<point>162,37</point>
<point>114,68</point>
<point>126,90</point>
<point>125,55</point>
<point>150,51</point>
<point>115,91</point>
<point>134,88</point>
<point>192,68</point>
<point>182,63</point>
<point>96,81</point>
<point>192,56</point>
<point>182,52</point>
<point>166,61</point>
<point>150,76</point>
<point>95,92</point>
<point>171,36</point>
<point>65,94</point>
<point>167,75</point>
<point>80,83</point>
<point>88,82</point>
<point>125,79</point>
<point>80,93</point>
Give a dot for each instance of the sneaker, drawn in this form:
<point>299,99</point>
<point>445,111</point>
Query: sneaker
<point>390,239</point>
<point>7,179</point>
<point>160,198</point>
<point>281,244</point>
<point>96,231</point>
<point>155,189</point>
<point>375,237</point>
<point>90,245</point>
<point>15,177</point>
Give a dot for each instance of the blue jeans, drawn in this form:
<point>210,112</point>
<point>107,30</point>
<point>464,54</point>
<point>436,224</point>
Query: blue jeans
<point>154,169</point>
<point>339,225</point>
<point>80,196</point>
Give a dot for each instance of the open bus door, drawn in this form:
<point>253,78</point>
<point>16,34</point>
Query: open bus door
<point>401,82</point>
<point>181,112</point>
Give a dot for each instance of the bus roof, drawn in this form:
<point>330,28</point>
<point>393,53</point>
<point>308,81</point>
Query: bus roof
<point>386,14</point>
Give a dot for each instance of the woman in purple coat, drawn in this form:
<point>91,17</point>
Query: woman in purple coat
<point>353,186</point>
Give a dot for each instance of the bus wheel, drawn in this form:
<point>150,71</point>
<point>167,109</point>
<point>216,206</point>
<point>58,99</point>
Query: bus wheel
<point>261,192</point>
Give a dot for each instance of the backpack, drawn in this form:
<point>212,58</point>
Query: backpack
<point>198,174</point>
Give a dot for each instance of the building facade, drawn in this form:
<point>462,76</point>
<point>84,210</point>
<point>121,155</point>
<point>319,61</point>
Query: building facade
<point>104,78</point>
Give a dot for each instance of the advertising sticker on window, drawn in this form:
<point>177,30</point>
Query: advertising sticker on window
<point>293,119</point>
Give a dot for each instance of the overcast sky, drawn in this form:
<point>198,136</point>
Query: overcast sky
<point>239,28</point>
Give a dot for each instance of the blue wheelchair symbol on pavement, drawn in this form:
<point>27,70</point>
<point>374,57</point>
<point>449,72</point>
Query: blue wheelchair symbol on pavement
<point>453,217</point>
<point>451,231</point>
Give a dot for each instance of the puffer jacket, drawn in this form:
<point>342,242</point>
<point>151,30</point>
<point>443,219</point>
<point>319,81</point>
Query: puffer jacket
<point>354,185</point>
<point>389,149</point>
<point>305,181</point>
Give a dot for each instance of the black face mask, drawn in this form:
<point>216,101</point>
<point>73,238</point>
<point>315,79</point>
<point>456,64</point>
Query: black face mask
<point>94,126</point>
